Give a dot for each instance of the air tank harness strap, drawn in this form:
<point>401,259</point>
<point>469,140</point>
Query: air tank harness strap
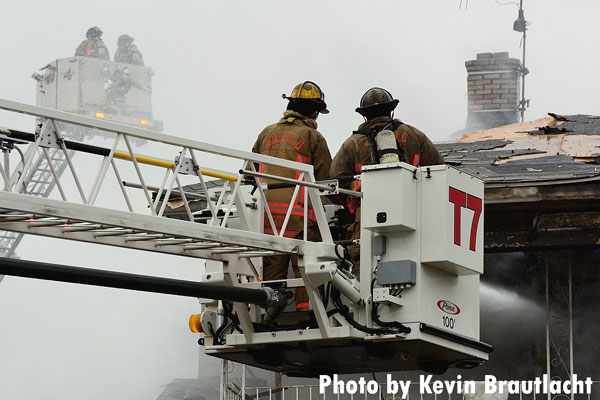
<point>370,134</point>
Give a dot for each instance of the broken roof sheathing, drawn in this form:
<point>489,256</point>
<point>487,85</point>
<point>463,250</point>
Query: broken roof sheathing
<point>549,150</point>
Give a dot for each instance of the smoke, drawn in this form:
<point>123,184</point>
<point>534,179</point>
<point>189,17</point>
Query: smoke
<point>515,325</point>
<point>513,315</point>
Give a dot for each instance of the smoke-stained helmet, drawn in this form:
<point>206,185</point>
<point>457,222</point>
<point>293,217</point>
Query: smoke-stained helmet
<point>124,40</point>
<point>310,91</point>
<point>376,100</point>
<point>94,33</point>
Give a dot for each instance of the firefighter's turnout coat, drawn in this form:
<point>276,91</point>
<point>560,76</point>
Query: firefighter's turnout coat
<point>294,137</point>
<point>129,55</point>
<point>93,48</point>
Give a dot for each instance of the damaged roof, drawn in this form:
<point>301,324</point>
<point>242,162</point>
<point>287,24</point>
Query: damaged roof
<point>547,150</point>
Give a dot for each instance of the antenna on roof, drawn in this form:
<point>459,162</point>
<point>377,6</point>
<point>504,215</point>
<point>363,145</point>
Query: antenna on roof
<point>520,25</point>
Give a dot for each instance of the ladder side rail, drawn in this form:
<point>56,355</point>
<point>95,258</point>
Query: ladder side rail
<point>214,218</point>
<point>305,217</point>
<point>68,158</point>
<point>232,198</point>
<point>246,222</point>
<point>102,171</point>
<point>6,163</point>
<point>265,203</point>
<point>54,175</point>
<point>171,183</point>
<point>162,187</point>
<point>198,171</point>
<point>288,214</point>
<point>184,198</point>
<point>121,186</point>
<point>139,174</point>
<point>5,177</point>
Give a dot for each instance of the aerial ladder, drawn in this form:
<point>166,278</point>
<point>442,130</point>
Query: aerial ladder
<point>78,85</point>
<point>415,306</point>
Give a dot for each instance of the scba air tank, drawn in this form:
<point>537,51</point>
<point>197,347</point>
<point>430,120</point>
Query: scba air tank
<point>387,149</point>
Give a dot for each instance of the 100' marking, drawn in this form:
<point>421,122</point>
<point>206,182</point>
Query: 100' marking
<point>448,322</point>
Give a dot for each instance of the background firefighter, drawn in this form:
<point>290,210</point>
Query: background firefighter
<point>93,46</point>
<point>414,147</point>
<point>127,52</point>
<point>294,137</point>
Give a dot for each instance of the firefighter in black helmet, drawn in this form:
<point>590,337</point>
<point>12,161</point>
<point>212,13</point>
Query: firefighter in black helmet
<point>375,102</point>
<point>377,107</point>
<point>295,138</point>
<point>93,46</point>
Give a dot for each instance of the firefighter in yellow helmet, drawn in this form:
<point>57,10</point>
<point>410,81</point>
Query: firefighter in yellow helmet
<point>295,138</point>
<point>414,147</point>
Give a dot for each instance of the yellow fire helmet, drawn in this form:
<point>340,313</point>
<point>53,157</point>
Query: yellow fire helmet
<point>308,90</point>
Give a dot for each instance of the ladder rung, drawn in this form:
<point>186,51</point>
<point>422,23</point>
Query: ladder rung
<point>172,242</point>
<point>228,250</point>
<point>114,233</point>
<point>257,253</point>
<point>205,246</point>
<point>141,239</point>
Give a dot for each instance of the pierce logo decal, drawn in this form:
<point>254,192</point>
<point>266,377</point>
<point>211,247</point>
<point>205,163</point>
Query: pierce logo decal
<point>448,307</point>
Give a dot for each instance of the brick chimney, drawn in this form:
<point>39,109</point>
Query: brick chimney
<point>493,91</point>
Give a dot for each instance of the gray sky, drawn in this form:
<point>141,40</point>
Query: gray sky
<point>220,68</point>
